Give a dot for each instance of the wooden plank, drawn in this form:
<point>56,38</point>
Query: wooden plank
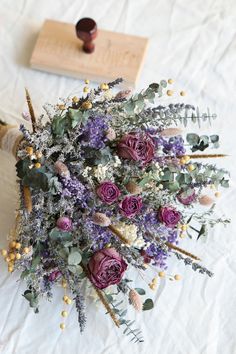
<point>59,51</point>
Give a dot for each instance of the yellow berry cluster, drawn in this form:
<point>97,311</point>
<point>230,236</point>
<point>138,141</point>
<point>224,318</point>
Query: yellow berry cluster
<point>36,156</point>
<point>184,159</point>
<point>13,254</point>
<point>171,92</point>
<point>67,300</point>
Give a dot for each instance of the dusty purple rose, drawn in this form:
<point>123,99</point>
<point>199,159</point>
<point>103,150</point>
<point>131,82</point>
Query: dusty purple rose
<point>64,223</point>
<point>138,147</point>
<point>186,197</point>
<point>106,267</point>
<point>54,275</point>
<point>169,216</point>
<point>130,206</point>
<point>108,192</point>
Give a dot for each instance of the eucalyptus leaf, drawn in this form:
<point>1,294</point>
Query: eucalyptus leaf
<point>36,180</point>
<point>74,258</point>
<point>59,125</point>
<point>148,305</point>
<point>140,291</point>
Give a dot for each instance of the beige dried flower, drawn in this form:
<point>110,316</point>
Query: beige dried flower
<point>110,134</point>
<point>101,219</point>
<point>135,300</point>
<point>205,200</point>
<point>133,188</point>
<point>171,132</point>
<point>61,169</point>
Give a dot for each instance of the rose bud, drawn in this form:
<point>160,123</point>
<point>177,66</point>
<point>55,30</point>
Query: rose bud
<point>186,197</point>
<point>64,223</point>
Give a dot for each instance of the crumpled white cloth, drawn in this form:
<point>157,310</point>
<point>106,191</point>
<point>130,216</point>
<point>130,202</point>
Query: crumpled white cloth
<point>192,42</point>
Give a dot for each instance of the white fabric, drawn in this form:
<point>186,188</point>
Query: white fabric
<point>192,42</point>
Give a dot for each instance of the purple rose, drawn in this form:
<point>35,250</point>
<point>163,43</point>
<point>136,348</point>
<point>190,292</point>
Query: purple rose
<point>137,147</point>
<point>130,206</point>
<point>108,192</point>
<point>169,216</point>
<point>186,197</point>
<point>64,223</point>
<point>106,267</point>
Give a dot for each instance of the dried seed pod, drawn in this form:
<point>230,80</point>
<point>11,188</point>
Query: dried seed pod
<point>205,200</point>
<point>62,169</point>
<point>171,132</point>
<point>133,188</point>
<point>122,94</point>
<point>101,219</point>
<point>135,300</point>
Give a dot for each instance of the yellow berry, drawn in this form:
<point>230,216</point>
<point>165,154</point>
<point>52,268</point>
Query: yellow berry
<point>26,250</point>
<point>68,301</point>
<point>170,81</point>
<point>170,93</point>
<point>10,269</point>
<point>12,244</point>
<point>187,158</point>
<point>8,259</point>
<point>18,256</point>
<point>75,99</point>
<point>12,256</point>
<point>177,277</point>
<point>62,107</point>
<point>104,87</point>
<point>62,326</point>
<point>29,150</point>
<point>217,194</point>
<point>86,81</point>
<point>182,161</point>
<point>161,274</point>
<point>86,89</point>
<point>154,281</point>
<point>65,298</point>
<point>63,283</point>
<point>64,313</point>
<point>184,227</point>
<point>37,165</point>
<point>18,245</point>
<point>191,168</point>
<point>4,253</point>
<point>87,105</point>
<point>39,154</point>
<point>182,235</point>
<point>152,286</point>
<point>182,93</point>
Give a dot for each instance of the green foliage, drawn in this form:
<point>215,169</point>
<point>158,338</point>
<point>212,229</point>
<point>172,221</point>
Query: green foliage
<point>57,235</point>
<point>140,291</point>
<point>32,297</point>
<point>77,117</point>
<point>202,142</point>
<point>148,305</point>
<point>36,179</point>
<point>59,125</point>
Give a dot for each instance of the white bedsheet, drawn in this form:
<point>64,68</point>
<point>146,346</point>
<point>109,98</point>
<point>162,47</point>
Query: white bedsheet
<point>193,42</point>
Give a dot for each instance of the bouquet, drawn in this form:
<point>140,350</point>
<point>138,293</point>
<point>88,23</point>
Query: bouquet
<point>108,182</point>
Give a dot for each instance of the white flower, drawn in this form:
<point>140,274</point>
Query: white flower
<point>128,231</point>
<point>100,172</point>
<point>86,172</point>
<point>117,162</point>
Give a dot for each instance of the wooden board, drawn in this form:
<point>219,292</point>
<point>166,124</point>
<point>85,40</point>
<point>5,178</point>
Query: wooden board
<point>59,51</point>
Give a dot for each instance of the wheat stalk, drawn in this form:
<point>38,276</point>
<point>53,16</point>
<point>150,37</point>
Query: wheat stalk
<point>31,110</point>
